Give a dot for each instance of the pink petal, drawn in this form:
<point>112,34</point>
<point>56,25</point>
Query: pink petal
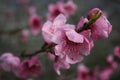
<point>74,36</point>
<point>47,32</point>
<point>59,20</point>
<point>57,37</point>
<point>60,63</point>
<point>82,22</point>
<point>73,58</point>
<point>58,50</point>
<point>85,47</point>
<point>68,26</point>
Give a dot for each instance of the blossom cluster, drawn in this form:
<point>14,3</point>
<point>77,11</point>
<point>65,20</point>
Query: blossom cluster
<point>74,42</point>
<point>67,9</point>
<point>84,73</point>
<point>22,69</point>
<point>65,43</point>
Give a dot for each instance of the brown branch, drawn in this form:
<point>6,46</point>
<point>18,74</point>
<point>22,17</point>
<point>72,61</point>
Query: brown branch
<point>12,32</point>
<point>44,48</point>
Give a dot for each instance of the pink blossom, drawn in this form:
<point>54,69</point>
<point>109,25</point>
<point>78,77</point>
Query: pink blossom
<point>83,72</point>
<point>69,43</point>
<point>9,62</point>
<point>101,28</point>
<point>86,74</point>
<point>117,51</point>
<point>105,74</point>
<point>60,63</point>
<point>35,23</point>
<point>67,9</point>
<point>54,11</point>
<point>112,65</point>
<point>49,28</point>
<point>72,45</point>
<point>30,67</point>
<point>24,35</point>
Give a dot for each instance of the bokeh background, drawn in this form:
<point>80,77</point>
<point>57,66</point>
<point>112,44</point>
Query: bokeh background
<point>10,30</point>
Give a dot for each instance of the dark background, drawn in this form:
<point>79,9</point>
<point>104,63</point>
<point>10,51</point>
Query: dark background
<point>10,35</point>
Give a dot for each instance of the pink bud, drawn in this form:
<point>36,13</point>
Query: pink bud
<point>102,27</point>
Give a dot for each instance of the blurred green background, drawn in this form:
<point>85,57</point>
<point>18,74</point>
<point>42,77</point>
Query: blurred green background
<point>10,42</point>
